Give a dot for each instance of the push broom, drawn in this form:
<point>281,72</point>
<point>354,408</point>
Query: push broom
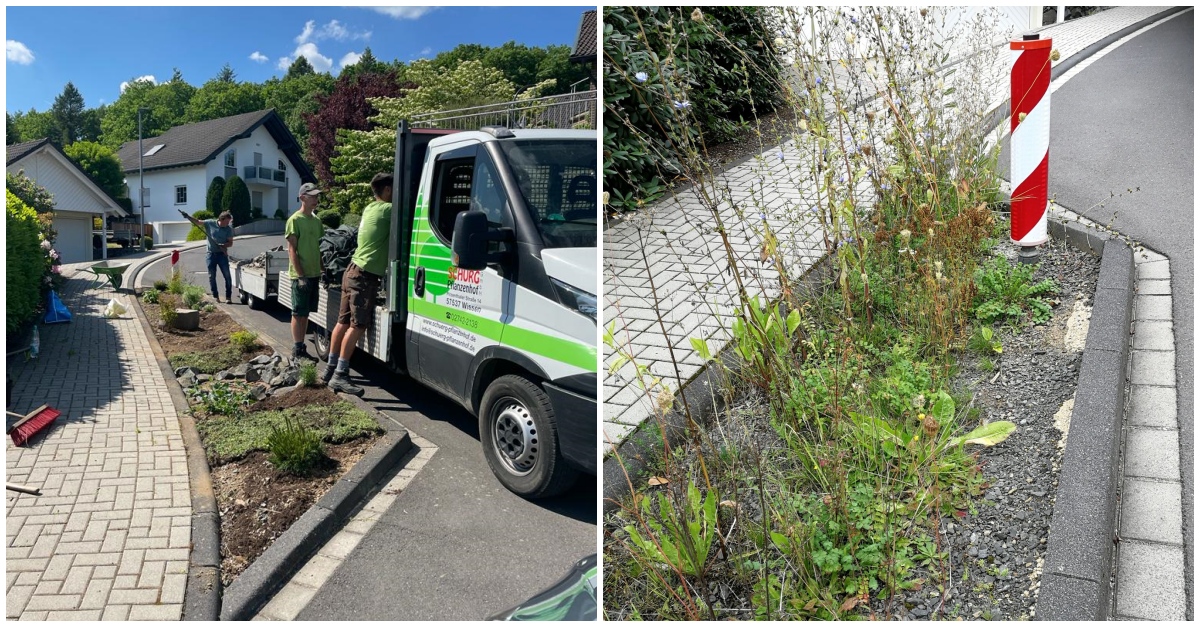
<point>30,424</point>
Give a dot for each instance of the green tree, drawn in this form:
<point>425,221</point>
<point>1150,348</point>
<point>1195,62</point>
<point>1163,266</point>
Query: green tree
<point>222,97</point>
<point>451,59</point>
<point>300,67</point>
<point>363,153</point>
<point>32,125</point>
<point>216,191</point>
<point>226,75</point>
<point>101,163</point>
<point>557,65</point>
<point>68,115</point>
<point>518,62</point>
<point>367,64</point>
<point>236,200</point>
<point>294,96</point>
<point>167,104</point>
<point>89,130</point>
<point>10,131</point>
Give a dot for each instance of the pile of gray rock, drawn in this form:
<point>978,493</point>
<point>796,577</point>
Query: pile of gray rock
<point>272,371</point>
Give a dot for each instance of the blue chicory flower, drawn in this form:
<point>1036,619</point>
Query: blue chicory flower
<point>641,77</point>
<point>780,155</point>
<point>819,80</point>
<point>682,104</point>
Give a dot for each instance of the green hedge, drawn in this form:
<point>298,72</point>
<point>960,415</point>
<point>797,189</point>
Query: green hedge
<point>705,65</point>
<point>25,263</point>
<point>196,234</point>
<point>330,218</point>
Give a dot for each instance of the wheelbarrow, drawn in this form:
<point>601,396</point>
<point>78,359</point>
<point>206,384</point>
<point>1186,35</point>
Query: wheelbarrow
<point>110,270</point>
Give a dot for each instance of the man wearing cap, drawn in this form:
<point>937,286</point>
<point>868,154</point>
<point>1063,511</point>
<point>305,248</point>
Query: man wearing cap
<point>360,284</point>
<point>303,234</point>
<point>219,233</point>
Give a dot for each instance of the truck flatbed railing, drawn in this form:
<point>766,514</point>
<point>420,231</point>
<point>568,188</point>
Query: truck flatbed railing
<point>564,111</point>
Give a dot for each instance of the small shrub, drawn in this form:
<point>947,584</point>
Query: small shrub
<point>1007,291</point>
<point>295,449</point>
<point>204,214</point>
<point>984,343</point>
<point>196,234</point>
<point>209,308</point>
<point>148,242</point>
<point>176,283</point>
<point>308,374</point>
<point>160,286</point>
<point>352,219</point>
<point>330,218</point>
<point>150,296</point>
<point>245,341</point>
<point>192,295</point>
<point>166,311</point>
<point>25,262</point>
<point>280,214</point>
<point>224,399</point>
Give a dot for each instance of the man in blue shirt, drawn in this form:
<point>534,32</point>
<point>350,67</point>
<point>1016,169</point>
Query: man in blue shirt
<point>219,233</point>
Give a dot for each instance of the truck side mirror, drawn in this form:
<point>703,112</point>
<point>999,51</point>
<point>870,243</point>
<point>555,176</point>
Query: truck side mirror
<point>471,237</point>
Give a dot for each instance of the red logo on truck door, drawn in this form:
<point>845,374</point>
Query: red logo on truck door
<point>464,276</point>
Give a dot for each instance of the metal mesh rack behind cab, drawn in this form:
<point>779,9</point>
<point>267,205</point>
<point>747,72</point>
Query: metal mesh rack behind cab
<point>564,111</point>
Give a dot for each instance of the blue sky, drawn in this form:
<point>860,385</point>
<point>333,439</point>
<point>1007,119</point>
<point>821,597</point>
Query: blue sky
<point>98,48</point>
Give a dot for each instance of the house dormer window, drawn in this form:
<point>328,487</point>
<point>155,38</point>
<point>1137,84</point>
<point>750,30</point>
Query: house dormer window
<point>152,151</point>
<point>282,166</point>
<point>231,159</point>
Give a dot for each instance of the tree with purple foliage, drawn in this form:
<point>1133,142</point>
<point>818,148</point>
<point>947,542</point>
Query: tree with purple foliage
<point>345,108</point>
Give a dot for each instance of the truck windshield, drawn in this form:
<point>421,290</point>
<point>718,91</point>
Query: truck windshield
<point>558,181</point>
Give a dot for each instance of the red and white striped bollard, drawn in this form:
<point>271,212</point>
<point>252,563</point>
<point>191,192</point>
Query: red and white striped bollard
<point>1030,142</point>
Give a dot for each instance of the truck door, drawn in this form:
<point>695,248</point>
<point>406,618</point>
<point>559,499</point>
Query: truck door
<point>456,313</point>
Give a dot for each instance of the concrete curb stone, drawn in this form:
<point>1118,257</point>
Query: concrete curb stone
<point>1079,550</point>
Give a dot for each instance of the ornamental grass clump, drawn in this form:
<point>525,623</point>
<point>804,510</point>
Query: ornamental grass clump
<point>886,174</point>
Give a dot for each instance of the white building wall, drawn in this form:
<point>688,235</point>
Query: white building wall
<point>70,193</point>
<point>162,210</point>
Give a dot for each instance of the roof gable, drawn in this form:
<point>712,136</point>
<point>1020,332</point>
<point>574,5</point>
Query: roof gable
<point>585,42</point>
<point>18,154</point>
<point>201,142</point>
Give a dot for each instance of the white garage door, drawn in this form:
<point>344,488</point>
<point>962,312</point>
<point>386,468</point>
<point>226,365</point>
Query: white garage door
<point>170,232</point>
<point>74,241</point>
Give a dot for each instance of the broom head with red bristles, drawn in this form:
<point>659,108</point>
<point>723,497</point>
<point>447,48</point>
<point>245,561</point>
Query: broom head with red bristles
<point>33,423</point>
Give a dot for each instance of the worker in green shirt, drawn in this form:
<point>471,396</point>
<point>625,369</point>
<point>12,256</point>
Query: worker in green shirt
<point>360,284</point>
<point>303,234</point>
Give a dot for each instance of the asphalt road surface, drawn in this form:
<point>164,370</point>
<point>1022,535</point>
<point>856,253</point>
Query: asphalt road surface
<point>1126,122</point>
<point>455,544</point>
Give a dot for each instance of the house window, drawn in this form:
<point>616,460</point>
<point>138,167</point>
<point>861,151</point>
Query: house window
<point>181,194</point>
<point>145,196</point>
<point>231,159</point>
<point>282,166</point>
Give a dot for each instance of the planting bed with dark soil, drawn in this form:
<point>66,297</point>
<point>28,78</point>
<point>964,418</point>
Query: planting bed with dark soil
<point>256,501</point>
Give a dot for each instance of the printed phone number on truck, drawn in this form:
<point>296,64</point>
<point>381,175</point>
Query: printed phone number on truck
<point>461,320</point>
<point>463,305</point>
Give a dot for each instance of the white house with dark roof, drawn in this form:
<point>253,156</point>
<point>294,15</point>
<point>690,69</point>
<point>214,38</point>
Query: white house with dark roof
<point>179,165</point>
<point>77,198</point>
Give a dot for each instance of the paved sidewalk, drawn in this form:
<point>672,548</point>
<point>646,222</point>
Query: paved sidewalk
<point>109,537</point>
<point>672,245</point>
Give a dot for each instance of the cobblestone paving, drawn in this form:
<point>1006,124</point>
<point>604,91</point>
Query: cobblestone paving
<point>109,537</point>
<point>672,246</point>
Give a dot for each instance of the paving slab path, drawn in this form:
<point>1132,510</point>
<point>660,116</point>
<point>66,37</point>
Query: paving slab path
<point>109,536</point>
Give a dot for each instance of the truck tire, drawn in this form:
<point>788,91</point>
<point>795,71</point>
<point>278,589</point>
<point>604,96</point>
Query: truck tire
<point>321,343</point>
<point>254,303</point>
<point>243,297</point>
<point>519,435</point>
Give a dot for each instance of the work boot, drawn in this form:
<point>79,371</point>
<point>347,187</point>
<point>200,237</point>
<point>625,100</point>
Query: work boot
<point>329,372</point>
<point>302,353</point>
<point>341,383</point>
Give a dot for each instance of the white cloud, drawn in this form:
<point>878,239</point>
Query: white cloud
<point>309,26</point>
<point>17,52</point>
<point>259,57</point>
<point>149,78</point>
<point>350,59</point>
<point>426,50</point>
<point>404,13</point>
<point>320,62</point>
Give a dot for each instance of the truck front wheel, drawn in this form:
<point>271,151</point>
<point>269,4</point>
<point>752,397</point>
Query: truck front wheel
<point>321,343</point>
<point>520,439</point>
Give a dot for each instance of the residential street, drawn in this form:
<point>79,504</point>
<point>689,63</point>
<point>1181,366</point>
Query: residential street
<point>1127,122</point>
<point>455,544</point>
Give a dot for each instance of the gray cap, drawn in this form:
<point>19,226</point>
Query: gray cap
<point>309,189</point>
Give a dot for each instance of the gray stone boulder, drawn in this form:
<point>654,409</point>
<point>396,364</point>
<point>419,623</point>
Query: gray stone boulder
<point>188,380</point>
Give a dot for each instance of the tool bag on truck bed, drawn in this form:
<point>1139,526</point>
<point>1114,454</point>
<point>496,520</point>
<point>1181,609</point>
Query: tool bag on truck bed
<point>337,248</point>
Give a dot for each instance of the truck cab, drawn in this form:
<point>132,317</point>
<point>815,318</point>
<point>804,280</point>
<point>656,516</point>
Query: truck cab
<point>492,291</point>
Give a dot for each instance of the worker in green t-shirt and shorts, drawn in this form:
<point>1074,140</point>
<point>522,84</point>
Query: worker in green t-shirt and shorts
<point>303,234</point>
<point>360,284</point>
